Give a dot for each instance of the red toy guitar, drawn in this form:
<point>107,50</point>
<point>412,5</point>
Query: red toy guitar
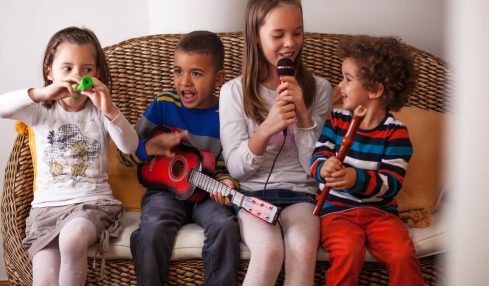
<point>183,176</point>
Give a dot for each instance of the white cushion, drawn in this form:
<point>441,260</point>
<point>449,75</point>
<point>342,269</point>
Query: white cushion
<point>190,240</point>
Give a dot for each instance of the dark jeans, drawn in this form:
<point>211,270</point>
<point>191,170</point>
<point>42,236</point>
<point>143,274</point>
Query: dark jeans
<point>162,216</point>
<point>281,198</point>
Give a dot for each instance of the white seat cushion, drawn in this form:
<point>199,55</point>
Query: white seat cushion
<point>190,240</point>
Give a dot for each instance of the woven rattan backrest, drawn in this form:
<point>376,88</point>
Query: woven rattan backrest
<point>141,68</point>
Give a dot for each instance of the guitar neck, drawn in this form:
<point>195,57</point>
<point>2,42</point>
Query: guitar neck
<point>256,207</point>
<point>208,184</point>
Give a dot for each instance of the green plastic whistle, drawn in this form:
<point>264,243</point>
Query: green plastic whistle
<point>86,82</point>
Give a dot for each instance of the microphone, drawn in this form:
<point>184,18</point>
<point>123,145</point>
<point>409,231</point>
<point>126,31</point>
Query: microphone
<point>285,66</point>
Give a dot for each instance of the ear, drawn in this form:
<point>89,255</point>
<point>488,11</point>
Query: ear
<point>220,77</point>
<point>49,73</point>
<point>378,92</point>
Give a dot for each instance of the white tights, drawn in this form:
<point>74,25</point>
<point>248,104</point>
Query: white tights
<point>64,261</point>
<point>301,232</point>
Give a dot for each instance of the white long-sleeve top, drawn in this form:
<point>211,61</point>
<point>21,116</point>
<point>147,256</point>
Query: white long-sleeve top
<point>292,168</point>
<point>69,149</point>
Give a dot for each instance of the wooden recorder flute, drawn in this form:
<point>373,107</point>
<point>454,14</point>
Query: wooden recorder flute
<point>358,115</point>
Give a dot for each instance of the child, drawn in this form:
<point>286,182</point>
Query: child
<point>271,163</point>
<point>73,205</point>
<point>360,211</point>
<point>193,109</point>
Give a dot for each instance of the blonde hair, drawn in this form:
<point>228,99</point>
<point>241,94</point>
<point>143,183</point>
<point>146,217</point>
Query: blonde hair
<point>254,68</point>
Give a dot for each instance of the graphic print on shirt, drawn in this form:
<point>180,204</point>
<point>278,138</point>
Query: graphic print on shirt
<point>69,153</point>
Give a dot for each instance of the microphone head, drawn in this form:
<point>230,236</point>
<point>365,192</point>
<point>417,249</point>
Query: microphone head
<point>285,66</point>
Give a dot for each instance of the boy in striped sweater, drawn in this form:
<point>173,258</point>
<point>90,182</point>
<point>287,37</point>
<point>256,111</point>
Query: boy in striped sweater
<point>360,211</point>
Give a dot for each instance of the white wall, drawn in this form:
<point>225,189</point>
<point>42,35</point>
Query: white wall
<point>469,137</point>
<point>26,25</point>
<point>25,29</point>
<point>417,22</point>
<point>188,15</point>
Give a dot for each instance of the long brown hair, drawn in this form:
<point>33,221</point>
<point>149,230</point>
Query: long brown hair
<point>78,36</point>
<point>255,64</point>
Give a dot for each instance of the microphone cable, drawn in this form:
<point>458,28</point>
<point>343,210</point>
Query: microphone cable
<point>285,66</point>
<point>281,276</point>
<point>275,160</point>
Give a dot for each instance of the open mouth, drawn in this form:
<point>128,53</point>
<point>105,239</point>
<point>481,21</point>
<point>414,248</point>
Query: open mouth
<point>187,95</point>
<point>287,55</point>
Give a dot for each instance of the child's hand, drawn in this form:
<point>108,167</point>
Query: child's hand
<point>337,176</point>
<point>290,91</point>
<point>55,91</point>
<point>219,197</point>
<point>100,96</point>
<point>281,115</point>
<point>331,165</point>
<point>161,144</point>
<point>342,179</point>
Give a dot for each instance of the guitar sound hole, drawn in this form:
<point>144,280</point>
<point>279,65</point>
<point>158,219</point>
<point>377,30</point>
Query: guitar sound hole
<point>177,169</point>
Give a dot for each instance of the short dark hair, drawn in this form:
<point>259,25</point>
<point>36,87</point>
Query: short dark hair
<point>204,42</point>
<point>382,60</point>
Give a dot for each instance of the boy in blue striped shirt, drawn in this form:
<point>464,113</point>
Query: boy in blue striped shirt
<point>192,110</point>
<point>360,211</point>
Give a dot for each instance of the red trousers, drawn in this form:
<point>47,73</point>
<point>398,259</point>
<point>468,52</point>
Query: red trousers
<point>347,235</point>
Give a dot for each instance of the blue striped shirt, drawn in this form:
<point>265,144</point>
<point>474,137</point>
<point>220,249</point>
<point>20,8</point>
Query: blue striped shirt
<point>380,157</point>
<point>167,110</point>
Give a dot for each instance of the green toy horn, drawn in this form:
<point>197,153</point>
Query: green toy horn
<point>86,82</point>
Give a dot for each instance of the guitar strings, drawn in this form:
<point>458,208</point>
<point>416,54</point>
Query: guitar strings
<point>206,181</point>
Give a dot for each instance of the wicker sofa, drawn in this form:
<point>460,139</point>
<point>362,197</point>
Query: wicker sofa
<point>141,69</point>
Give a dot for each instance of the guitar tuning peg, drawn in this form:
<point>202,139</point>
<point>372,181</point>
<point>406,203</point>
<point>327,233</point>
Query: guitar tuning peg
<point>253,201</point>
<point>258,213</point>
<point>262,204</point>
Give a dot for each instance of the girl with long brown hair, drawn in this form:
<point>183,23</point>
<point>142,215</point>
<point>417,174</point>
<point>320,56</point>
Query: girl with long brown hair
<point>269,124</point>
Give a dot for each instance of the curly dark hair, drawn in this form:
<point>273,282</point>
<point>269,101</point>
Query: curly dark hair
<point>382,60</point>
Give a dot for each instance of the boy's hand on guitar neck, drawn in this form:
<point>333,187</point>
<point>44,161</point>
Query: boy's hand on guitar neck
<point>219,197</point>
<point>162,144</point>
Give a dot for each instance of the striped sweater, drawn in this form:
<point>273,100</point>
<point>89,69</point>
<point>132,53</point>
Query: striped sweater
<point>168,110</point>
<point>380,157</point>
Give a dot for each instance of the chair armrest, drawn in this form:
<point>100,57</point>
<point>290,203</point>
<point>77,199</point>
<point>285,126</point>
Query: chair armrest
<point>15,206</point>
